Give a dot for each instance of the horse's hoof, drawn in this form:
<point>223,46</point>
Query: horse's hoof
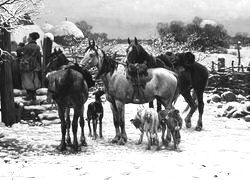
<point>198,128</point>
<point>158,148</point>
<point>115,140</point>
<point>138,143</point>
<point>83,143</point>
<point>90,135</point>
<point>188,124</point>
<point>61,147</point>
<point>68,142</point>
<point>121,142</point>
<point>148,148</point>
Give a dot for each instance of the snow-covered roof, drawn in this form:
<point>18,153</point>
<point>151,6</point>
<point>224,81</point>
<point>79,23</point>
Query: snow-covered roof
<point>209,22</point>
<point>66,28</point>
<point>46,27</point>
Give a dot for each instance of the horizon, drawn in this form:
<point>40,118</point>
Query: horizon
<point>122,19</point>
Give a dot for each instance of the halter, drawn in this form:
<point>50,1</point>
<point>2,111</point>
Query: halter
<point>98,56</point>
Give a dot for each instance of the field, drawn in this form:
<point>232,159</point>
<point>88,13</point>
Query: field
<point>220,151</point>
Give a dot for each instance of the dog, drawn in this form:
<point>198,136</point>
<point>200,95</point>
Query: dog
<point>146,120</point>
<point>171,120</point>
<point>95,113</point>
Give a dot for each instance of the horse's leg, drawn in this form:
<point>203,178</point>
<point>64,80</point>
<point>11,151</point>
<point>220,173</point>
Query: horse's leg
<point>77,112</point>
<point>61,112</point>
<point>192,105</point>
<point>82,124</point>
<point>199,95</point>
<point>68,139</point>
<point>100,125</point>
<point>94,122</point>
<point>158,105</point>
<point>116,122</point>
<point>121,119</point>
<point>90,131</point>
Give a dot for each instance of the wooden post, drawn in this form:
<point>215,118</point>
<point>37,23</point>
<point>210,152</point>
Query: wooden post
<point>239,60</point>
<point>213,68</point>
<point>232,66</point>
<point>7,95</point>
<point>47,48</point>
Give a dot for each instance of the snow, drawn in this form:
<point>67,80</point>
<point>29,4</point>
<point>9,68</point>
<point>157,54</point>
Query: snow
<point>208,22</point>
<point>46,27</point>
<point>67,28</point>
<point>49,35</point>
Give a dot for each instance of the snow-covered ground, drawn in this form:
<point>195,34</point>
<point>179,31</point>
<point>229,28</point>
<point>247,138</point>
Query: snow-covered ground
<point>220,151</point>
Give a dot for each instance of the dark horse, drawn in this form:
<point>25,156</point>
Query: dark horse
<point>68,85</point>
<point>191,75</point>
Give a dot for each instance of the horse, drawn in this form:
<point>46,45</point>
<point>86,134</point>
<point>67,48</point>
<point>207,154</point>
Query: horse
<point>192,75</point>
<point>119,90</point>
<point>68,86</point>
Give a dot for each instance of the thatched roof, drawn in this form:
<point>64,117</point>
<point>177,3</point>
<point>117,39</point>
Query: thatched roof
<point>66,28</point>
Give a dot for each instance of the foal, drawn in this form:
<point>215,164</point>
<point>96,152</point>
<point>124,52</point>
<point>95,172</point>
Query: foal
<point>95,113</point>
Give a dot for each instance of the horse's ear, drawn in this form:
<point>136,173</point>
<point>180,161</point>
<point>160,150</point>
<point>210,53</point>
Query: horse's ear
<point>190,58</point>
<point>60,51</point>
<point>136,41</point>
<point>129,41</point>
<point>55,51</point>
<point>89,43</point>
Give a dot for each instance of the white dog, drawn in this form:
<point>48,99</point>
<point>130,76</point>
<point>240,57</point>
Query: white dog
<point>146,120</point>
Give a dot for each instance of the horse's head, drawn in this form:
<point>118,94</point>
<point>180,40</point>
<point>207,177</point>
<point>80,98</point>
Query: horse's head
<point>135,52</point>
<point>93,56</point>
<point>56,60</point>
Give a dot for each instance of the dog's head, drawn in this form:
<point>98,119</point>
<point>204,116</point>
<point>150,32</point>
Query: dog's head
<point>136,122</point>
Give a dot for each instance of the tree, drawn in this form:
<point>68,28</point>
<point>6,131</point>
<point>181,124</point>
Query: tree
<point>15,12</point>
<point>242,37</point>
<point>84,27</point>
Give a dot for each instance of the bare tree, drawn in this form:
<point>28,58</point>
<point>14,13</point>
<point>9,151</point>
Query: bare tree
<point>15,12</point>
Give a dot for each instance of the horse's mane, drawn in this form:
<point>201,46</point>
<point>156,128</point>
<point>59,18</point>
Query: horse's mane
<point>108,65</point>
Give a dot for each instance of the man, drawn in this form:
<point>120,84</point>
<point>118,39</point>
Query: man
<point>30,65</point>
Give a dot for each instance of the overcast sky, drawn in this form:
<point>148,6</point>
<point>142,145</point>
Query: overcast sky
<point>129,18</point>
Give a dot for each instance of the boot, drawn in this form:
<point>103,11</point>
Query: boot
<point>33,95</point>
<point>28,95</point>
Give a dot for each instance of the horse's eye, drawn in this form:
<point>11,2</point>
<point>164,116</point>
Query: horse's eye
<point>91,55</point>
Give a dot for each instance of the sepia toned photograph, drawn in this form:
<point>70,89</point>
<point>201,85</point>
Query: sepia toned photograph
<point>124,89</point>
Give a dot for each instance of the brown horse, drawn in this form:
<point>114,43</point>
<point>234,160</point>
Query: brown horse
<point>119,90</point>
<point>69,88</point>
<point>192,75</point>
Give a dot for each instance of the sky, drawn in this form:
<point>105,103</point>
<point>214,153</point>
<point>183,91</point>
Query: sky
<point>129,18</point>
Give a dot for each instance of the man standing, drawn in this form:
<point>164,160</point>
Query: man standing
<point>30,65</point>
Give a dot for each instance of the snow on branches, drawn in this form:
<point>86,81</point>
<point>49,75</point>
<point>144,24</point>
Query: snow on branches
<point>15,12</point>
